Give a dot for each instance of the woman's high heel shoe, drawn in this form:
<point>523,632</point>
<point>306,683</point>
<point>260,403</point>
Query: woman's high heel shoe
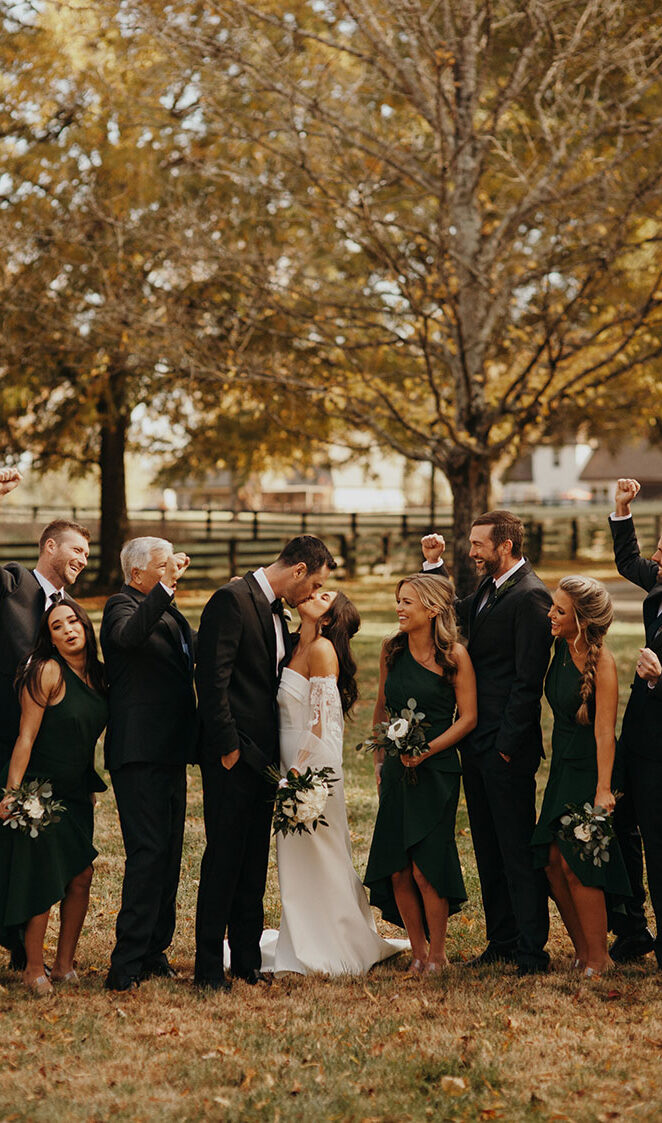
<point>40,986</point>
<point>416,967</point>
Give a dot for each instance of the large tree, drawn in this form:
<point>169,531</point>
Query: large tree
<point>476,189</point>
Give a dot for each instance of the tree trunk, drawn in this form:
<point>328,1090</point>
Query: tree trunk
<point>469,479</point>
<point>114,524</point>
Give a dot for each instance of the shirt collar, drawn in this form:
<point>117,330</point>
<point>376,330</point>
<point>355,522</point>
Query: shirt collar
<point>499,581</point>
<point>263,581</point>
<point>47,585</point>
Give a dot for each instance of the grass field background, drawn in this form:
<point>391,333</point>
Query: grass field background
<point>465,1046</point>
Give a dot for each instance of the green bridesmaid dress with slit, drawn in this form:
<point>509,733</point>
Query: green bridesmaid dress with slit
<point>573,778</point>
<point>35,872</point>
<point>416,822</point>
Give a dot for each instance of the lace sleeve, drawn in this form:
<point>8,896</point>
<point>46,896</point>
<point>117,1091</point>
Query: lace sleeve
<point>325,717</point>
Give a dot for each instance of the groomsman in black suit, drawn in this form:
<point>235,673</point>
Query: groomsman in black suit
<point>509,639</point>
<point>25,594</point>
<point>148,648</point>
<point>640,743</point>
<point>243,643</point>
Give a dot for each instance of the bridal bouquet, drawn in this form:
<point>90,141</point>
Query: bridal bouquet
<point>301,799</point>
<point>401,735</point>
<point>32,807</point>
<point>589,830</point>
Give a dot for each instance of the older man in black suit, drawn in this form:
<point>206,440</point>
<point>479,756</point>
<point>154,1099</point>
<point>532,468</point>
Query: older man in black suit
<point>509,638</point>
<point>25,594</point>
<point>149,653</point>
<point>640,743</point>
<point>243,643</point>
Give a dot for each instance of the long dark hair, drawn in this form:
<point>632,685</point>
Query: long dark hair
<point>339,624</point>
<point>28,676</point>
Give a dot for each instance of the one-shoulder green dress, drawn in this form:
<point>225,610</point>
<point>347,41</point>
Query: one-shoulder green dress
<point>416,822</point>
<point>573,778</point>
<point>35,872</point>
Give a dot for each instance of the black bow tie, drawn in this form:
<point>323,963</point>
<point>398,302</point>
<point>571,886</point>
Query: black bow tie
<point>277,608</point>
<point>56,598</point>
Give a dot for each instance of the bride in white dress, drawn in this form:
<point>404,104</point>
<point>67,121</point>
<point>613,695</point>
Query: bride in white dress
<point>326,921</point>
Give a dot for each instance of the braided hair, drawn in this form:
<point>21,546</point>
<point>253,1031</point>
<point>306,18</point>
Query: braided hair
<point>593,611</point>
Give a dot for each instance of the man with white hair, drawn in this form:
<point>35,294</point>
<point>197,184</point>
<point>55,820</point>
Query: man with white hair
<point>148,648</point>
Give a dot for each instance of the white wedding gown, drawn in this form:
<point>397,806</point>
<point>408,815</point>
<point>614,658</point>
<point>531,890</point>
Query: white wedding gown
<point>326,921</point>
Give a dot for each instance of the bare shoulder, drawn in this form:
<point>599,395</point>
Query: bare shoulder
<point>606,662</point>
<point>323,660</point>
<point>49,682</point>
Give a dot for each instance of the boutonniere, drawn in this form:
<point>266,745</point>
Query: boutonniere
<point>506,585</point>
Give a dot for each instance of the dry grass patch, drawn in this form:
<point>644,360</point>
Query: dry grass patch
<point>463,1047</point>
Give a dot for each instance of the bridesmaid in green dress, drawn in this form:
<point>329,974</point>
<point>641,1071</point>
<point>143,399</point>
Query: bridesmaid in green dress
<point>582,690</point>
<point>63,712</point>
<point>414,872</point>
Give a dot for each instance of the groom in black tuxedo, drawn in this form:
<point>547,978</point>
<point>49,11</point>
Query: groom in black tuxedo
<point>243,642</point>
<point>509,639</point>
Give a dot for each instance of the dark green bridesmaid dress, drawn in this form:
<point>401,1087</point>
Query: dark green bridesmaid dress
<point>573,778</point>
<point>35,872</point>
<point>416,822</point>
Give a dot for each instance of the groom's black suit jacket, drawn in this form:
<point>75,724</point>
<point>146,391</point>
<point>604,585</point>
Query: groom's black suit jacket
<point>236,675</point>
<point>22,603</point>
<point>642,722</point>
<point>509,643</point>
<point>152,717</point>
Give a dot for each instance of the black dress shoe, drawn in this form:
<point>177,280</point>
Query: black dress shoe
<point>626,948</point>
<point>254,977</point>
<point>524,969</point>
<point>492,955</point>
<point>120,982</point>
<point>213,984</point>
<point>158,969</point>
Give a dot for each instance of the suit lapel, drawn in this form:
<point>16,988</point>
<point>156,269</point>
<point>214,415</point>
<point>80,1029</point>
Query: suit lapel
<point>479,618</point>
<point>265,615</point>
<point>652,615</point>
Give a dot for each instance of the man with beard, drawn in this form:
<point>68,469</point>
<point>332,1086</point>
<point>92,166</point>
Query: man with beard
<point>505,623</point>
<point>25,594</point>
<point>639,745</point>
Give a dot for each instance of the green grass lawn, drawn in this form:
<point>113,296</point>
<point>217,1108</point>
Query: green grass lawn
<point>464,1046</point>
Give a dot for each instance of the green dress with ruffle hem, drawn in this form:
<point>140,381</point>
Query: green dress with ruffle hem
<point>416,822</point>
<point>573,778</point>
<point>35,872</point>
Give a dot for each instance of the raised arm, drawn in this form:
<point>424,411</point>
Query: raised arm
<point>629,562</point>
<point>9,479</point>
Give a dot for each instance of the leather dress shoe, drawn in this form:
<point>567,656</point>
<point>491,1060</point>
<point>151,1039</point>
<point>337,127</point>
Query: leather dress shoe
<point>158,969</point>
<point>492,955</point>
<point>254,977</point>
<point>213,984</point>
<point>120,982</point>
<point>626,948</point>
<point>524,969</point>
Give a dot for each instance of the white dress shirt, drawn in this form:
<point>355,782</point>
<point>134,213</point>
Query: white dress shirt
<point>48,587</point>
<point>263,581</point>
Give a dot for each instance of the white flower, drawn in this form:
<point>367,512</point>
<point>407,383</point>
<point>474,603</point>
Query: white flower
<point>311,804</point>
<point>32,807</point>
<point>397,729</point>
<point>283,783</point>
<point>583,832</point>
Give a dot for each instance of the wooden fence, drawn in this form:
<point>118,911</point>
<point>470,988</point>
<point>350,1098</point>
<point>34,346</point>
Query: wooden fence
<point>223,543</point>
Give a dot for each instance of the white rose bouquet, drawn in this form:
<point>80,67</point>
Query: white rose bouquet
<point>32,807</point>
<point>589,830</point>
<point>402,735</point>
<point>301,799</point>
